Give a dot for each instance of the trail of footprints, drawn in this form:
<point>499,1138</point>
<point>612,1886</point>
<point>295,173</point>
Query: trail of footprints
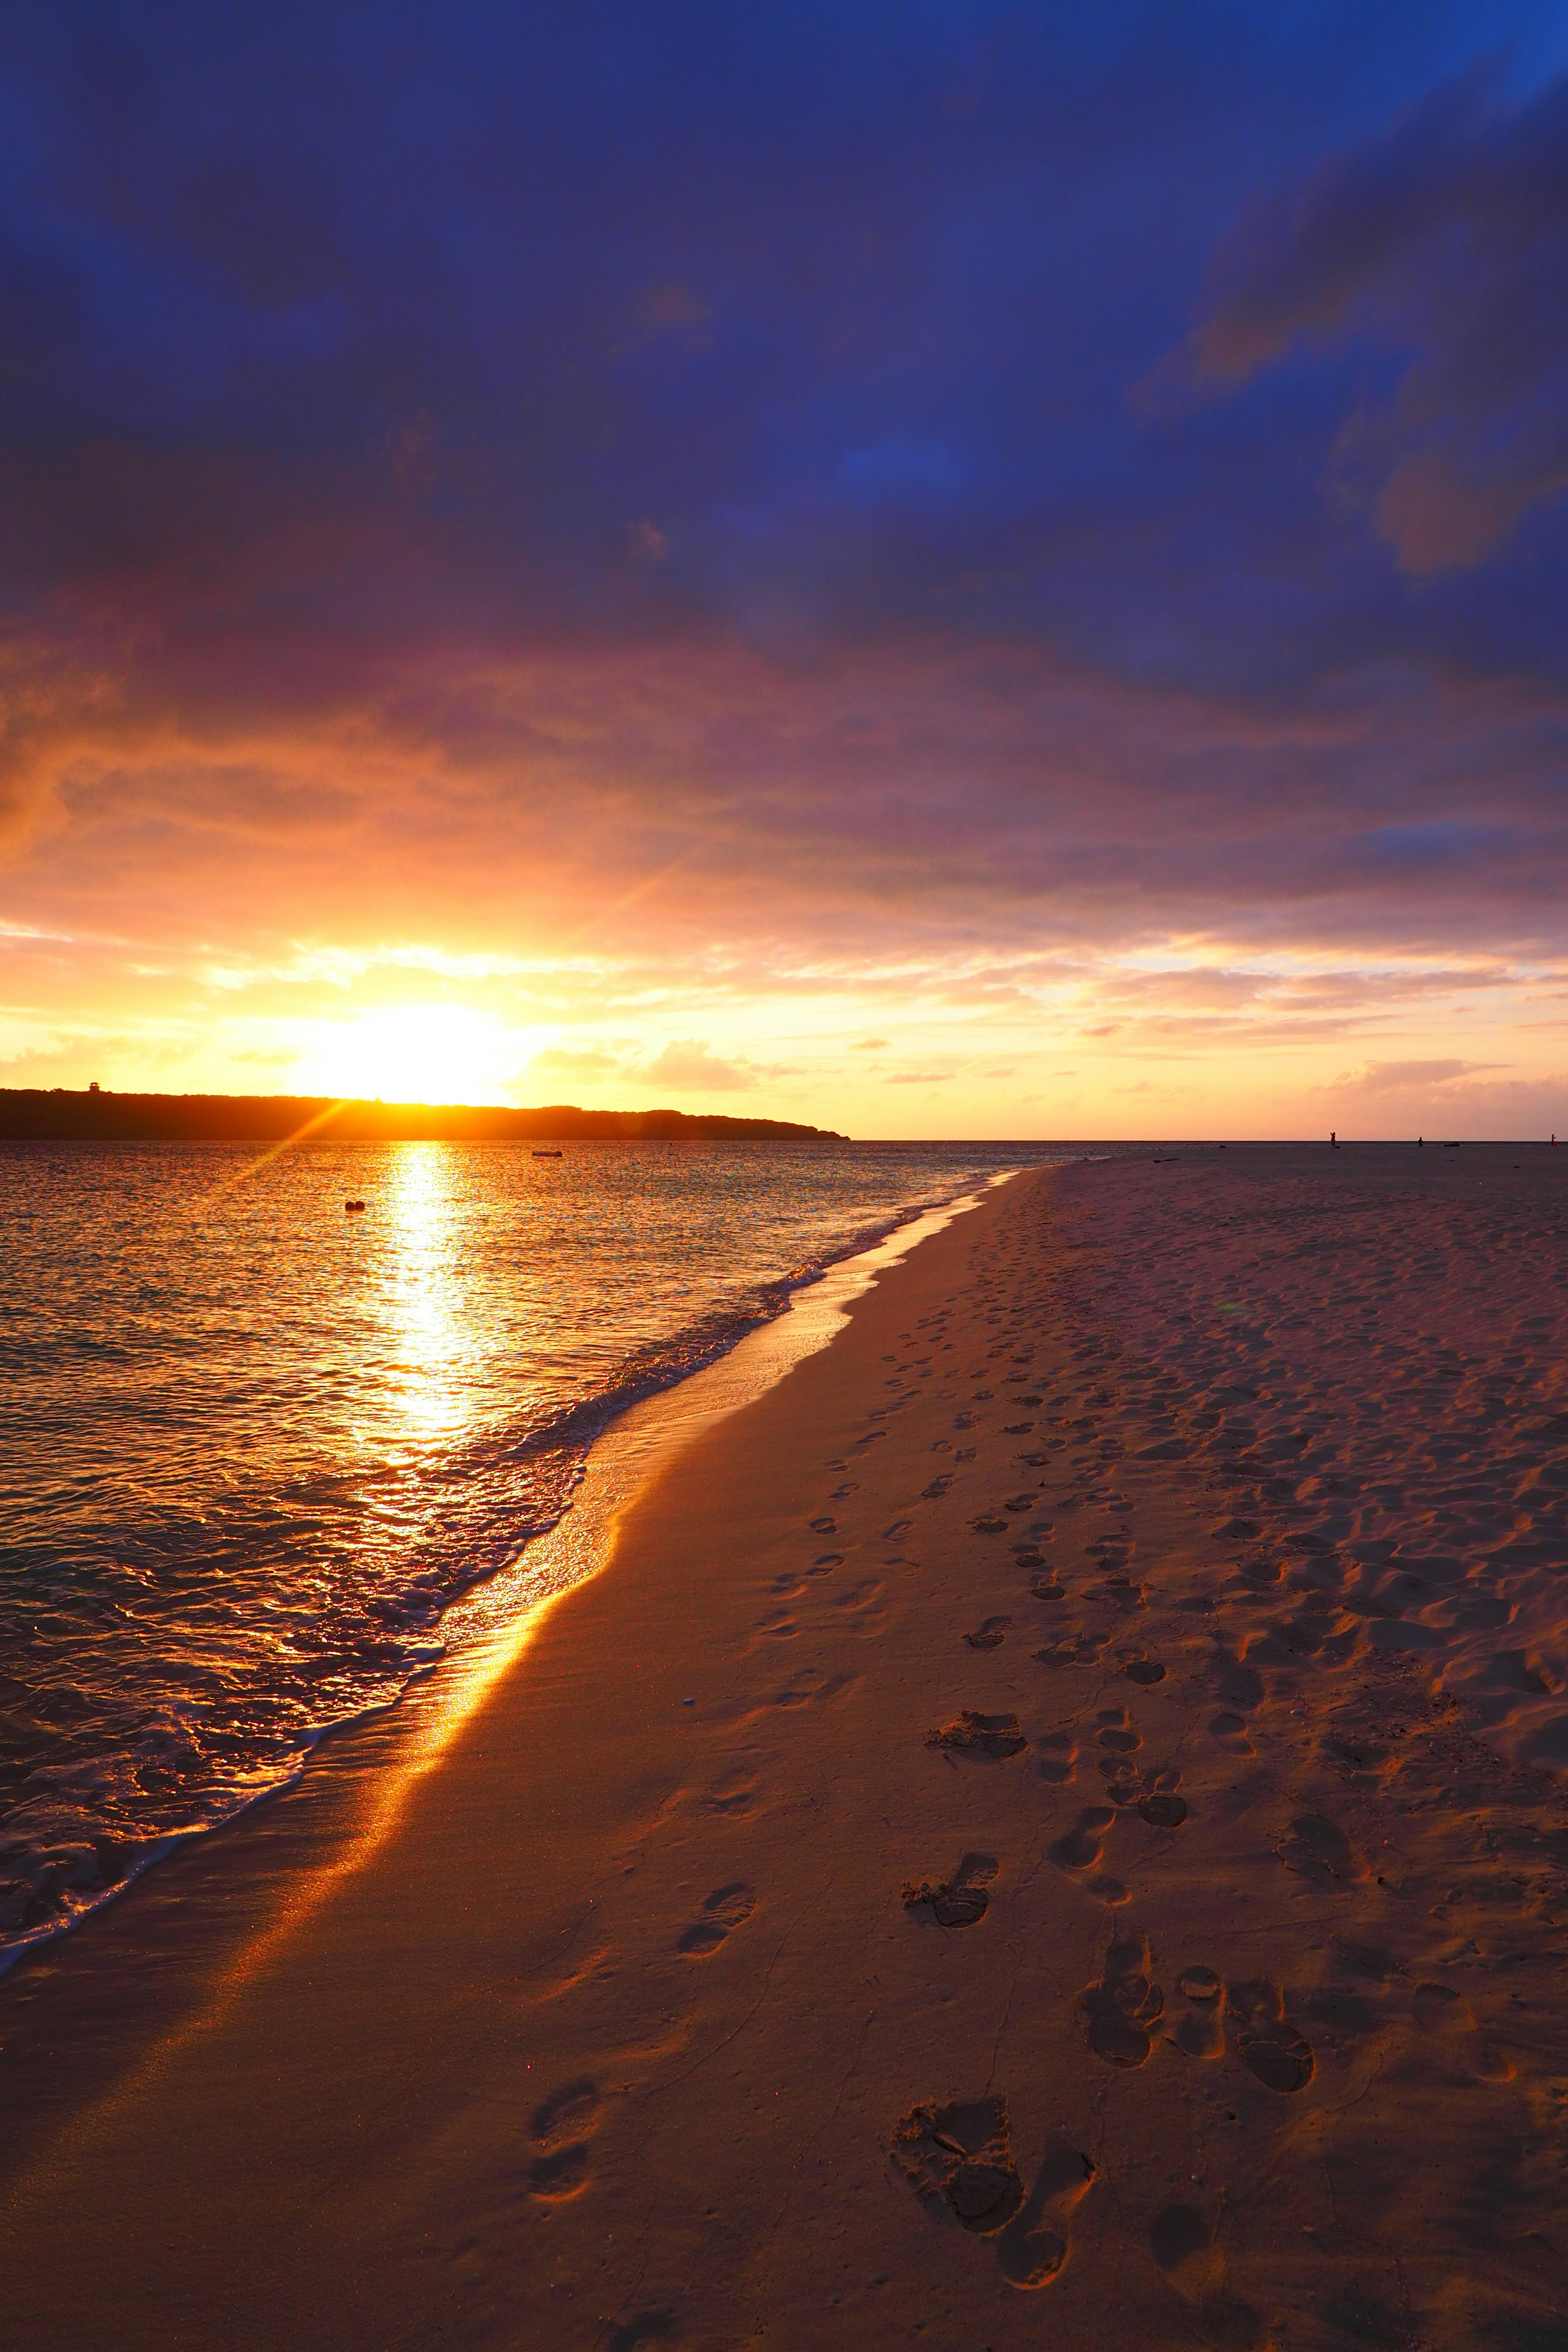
<point>958,2156</point>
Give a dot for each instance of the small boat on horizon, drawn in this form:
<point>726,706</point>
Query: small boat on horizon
<point>550,1155</point>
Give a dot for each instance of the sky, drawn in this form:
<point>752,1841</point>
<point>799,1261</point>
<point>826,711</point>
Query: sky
<point>984,570</point>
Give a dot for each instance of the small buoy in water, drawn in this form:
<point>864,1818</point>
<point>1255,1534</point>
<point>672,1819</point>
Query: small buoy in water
<point>352,1208</point>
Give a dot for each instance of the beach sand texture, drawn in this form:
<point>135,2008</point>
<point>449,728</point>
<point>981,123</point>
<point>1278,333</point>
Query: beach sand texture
<point>1111,1888</point>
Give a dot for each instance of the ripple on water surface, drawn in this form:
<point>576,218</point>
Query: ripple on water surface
<point>250,1449</point>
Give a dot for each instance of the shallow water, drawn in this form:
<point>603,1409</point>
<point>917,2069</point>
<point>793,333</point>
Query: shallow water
<point>251,1448</point>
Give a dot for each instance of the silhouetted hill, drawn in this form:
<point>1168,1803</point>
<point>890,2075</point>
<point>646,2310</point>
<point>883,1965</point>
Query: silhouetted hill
<point>31,1115</point>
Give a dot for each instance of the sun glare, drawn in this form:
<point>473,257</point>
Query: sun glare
<point>412,1052</point>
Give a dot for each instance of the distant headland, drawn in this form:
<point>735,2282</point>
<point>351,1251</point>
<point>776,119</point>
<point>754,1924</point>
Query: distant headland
<point>64,1115</point>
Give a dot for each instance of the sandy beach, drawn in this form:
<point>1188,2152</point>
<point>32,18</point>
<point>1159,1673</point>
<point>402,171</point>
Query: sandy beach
<point>1048,1826</point>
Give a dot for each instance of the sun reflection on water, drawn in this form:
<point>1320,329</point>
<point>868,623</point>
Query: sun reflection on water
<point>422,1298</point>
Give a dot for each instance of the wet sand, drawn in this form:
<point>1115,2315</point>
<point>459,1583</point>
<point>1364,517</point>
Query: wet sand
<point>1110,1882</point>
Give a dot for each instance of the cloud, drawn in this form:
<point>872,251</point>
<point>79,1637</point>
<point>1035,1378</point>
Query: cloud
<point>1443,241</point>
<point>1383,1079</point>
<point>582,1061</point>
<point>486,814</point>
<point>1446,1096</point>
<point>689,1065</point>
<point>868,1045</point>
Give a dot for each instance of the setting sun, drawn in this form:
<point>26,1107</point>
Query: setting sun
<point>414,1053</point>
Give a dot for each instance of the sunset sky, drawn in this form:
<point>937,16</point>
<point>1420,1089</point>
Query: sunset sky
<point>948,570</point>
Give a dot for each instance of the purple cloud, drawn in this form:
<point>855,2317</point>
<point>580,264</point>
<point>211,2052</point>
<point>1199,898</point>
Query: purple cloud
<point>1442,243</point>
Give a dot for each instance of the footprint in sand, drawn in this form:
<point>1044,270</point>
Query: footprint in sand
<point>1318,1849</point>
<point>1230,1730</point>
<point>732,1792</point>
<point>1280,2056</point>
<point>824,1561</point>
<point>989,1524</point>
<point>1020,1502</point>
<point>1034,2246</point>
<point>961,1901</point>
<point>988,1636</point>
<point>1082,1846</point>
<point>1124,2004</point>
<point>559,2125</point>
<point>1161,1808</point>
<point>1447,2017</point>
<point>961,2157</point>
<point>1147,1671</point>
<point>937,1487</point>
<point>811,1684</point>
<point>1200,2032</point>
<point>1076,1649</point>
<point>1118,1592</point>
<point>862,1600</point>
<point>824,1525</point>
<point>980,1734</point>
<point>1058,1757</point>
<point>727,1909</point>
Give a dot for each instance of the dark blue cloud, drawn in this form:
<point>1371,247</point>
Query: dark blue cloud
<point>353,321</point>
<point>1444,240</point>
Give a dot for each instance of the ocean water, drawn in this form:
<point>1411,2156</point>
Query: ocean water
<point>252,1448</point>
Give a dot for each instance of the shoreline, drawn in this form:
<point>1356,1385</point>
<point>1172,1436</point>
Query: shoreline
<point>494,1596</point>
<point>488,1626</point>
<point>962,1866</point>
<point>94,2020</point>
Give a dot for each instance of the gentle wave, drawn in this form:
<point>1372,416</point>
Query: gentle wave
<point>185,1624</point>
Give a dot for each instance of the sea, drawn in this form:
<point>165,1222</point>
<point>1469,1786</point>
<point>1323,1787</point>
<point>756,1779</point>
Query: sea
<point>255,1445</point>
